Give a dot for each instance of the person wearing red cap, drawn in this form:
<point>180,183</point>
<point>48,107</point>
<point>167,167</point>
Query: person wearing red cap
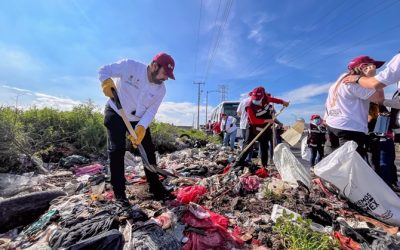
<point>347,105</point>
<point>141,90</point>
<point>316,139</point>
<point>389,75</point>
<point>260,111</point>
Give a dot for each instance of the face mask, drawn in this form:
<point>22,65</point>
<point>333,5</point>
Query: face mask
<point>317,121</point>
<point>257,102</point>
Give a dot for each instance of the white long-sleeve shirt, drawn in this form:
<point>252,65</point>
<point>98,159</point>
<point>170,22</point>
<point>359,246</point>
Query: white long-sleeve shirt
<point>139,98</point>
<point>230,124</point>
<point>391,73</point>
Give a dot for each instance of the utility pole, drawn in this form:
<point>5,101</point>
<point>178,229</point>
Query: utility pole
<point>223,89</point>
<point>198,102</point>
<point>208,91</point>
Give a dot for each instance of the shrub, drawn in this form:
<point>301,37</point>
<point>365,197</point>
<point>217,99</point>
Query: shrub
<point>297,234</point>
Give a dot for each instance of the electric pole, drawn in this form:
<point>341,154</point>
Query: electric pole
<point>208,91</point>
<point>198,103</point>
<point>223,89</point>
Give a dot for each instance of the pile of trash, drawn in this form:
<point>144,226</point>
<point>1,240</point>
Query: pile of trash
<point>338,204</point>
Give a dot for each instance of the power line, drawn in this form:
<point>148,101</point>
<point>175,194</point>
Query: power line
<point>198,102</point>
<point>346,27</point>
<point>197,42</point>
<point>288,45</point>
<point>352,46</point>
<point>223,89</point>
<point>225,16</point>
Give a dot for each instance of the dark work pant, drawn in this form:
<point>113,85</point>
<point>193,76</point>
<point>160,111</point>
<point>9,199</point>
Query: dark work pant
<point>314,150</point>
<point>263,141</point>
<point>116,131</point>
<point>339,137</point>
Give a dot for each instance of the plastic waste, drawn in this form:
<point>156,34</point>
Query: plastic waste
<point>89,170</point>
<point>250,183</point>
<point>73,160</point>
<point>11,184</point>
<point>347,171</point>
<point>277,211</point>
<point>111,240</point>
<point>198,211</point>
<point>152,236</point>
<point>40,224</point>
<point>305,150</point>
<point>210,233</point>
<point>190,193</point>
<point>289,167</point>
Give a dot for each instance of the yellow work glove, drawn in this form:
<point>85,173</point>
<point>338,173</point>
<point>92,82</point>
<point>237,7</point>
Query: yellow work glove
<point>140,132</point>
<point>107,85</point>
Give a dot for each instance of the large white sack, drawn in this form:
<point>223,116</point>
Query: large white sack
<point>345,169</point>
<point>305,150</point>
<point>289,167</point>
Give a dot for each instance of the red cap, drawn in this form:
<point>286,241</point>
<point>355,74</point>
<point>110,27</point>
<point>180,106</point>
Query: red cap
<point>356,62</point>
<point>223,114</point>
<point>257,93</point>
<point>315,117</point>
<point>166,62</point>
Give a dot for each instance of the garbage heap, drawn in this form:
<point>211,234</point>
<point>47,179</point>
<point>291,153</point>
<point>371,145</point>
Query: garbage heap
<point>286,206</point>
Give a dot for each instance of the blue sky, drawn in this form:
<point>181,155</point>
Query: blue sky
<point>51,50</point>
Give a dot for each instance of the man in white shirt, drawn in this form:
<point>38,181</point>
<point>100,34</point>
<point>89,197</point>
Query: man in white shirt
<point>244,123</point>
<point>388,76</point>
<point>229,128</point>
<point>140,89</point>
<point>347,105</point>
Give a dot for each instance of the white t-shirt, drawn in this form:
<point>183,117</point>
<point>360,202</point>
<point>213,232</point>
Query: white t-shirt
<point>135,92</point>
<point>391,74</point>
<point>244,123</point>
<point>350,109</point>
<point>230,124</point>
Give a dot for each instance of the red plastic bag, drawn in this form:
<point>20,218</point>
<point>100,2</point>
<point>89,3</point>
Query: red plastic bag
<point>226,169</point>
<point>190,194</point>
<point>215,235</point>
<point>262,173</point>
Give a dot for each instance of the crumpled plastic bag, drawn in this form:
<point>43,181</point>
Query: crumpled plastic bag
<point>190,193</point>
<point>215,231</point>
<point>250,183</point>
<point>152,236</point>
<point>11,184</point>
<point>347,171</point>
<point>305,150</point>
<point>289,167</point>
<point>73,160</point>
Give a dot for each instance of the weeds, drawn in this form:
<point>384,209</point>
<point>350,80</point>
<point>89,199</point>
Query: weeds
<point>297,234</point>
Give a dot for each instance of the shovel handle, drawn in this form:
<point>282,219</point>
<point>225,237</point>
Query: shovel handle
<point>122,114</point>
<point>259,134</point>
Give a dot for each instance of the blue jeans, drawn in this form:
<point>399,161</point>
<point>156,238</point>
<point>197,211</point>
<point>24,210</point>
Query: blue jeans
<point>230,138</point>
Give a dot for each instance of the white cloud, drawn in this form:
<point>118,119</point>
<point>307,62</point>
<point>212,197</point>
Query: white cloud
<point>17,60</point>
<point>291,114</point>
<point>181,113</point>
<point>305,93</point>
<point>25,98</point>
<point>256,27</point>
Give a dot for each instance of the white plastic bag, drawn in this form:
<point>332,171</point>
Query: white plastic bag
<point>305,150</point>
<point>345,169</point>
<point>289,167</point>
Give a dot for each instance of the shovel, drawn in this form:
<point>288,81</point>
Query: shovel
<point>294,133</point>
<point>255,139</point>
<point>131,131</point>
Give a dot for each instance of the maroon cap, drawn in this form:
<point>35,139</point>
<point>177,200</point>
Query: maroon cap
<point>257,93</point>
<point>315,117</point>
<point>356,62</point>
<point>166,62</point>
